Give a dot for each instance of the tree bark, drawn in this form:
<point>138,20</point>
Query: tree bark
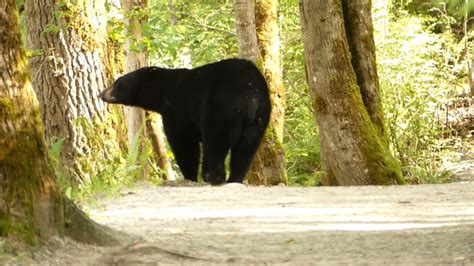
<point>142,124</point>
<point>134,60</point>
<point>469,54</point>
<point>471,75</point>
<point>154,126</point>
<point>31,208</point>
<point>75,62</point>
<point>360,36</point>
<point>353,149</point>
<point>244,12</point>
<point>269,164</point>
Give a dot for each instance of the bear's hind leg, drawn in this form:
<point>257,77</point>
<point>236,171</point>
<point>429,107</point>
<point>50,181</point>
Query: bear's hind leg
<point>243,152</point>
<point>240,160</point>
<point>213,166</point>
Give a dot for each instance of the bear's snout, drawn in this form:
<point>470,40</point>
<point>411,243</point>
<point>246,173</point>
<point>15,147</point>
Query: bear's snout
<point>106,95</point>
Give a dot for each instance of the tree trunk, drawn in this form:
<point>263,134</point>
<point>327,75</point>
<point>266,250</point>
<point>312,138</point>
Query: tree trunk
<point>353,149</point>
<point>172,8</point>
<point>31,208</point>
<point>244,12</point>
<point>134,60</point>
<point>269,163</point>
<point>469,54</point>
<point>471,76</point>
<point>142,124</point>
<point>155,132</point>
<point>73,65</point>
<point>360,36</point>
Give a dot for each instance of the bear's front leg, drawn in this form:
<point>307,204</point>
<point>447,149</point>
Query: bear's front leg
<point>185,146</point>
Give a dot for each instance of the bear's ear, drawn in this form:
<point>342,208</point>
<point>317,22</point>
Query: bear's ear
<point>106,95</point>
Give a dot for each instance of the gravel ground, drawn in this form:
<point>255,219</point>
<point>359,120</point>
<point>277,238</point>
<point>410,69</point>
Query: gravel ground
<point>425,224</point>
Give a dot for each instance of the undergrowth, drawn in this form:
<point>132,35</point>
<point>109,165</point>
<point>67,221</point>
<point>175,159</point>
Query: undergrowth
<point>418,70</point>
<point>124,171</point>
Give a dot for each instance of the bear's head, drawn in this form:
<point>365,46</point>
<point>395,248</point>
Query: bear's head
<point>141,88</point>
<point>126,89</point>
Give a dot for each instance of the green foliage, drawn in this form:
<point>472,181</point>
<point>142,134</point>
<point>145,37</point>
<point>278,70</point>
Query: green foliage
<point>186,32</point>
<point>459,7</point>
<point>181,33</point>
<point>417,69</point>
<point>20,4</point>
<point>441,9</point>
<point>301,139</point>
<point>109,175</point>
<point>23,229</point>
<point>54,153</point>
<point>453,6</point>
<point>51,28</point>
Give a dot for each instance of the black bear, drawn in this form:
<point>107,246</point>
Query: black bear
<point>223,105</point>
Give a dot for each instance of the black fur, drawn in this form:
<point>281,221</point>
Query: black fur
<point>223,105</point>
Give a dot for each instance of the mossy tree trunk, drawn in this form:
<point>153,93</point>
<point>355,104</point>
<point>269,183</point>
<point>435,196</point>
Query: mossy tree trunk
<point>471,76</point>
<point>269,166</point>
<point>360,36</point>
<point>73,63</point>
<point>154,126</point>
<point>142,124</point>
<point>340,65</point>
<point>257,33</point>
<point>31,208</point>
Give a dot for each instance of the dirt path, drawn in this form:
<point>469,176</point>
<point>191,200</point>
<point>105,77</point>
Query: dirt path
<point>428,224</point>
